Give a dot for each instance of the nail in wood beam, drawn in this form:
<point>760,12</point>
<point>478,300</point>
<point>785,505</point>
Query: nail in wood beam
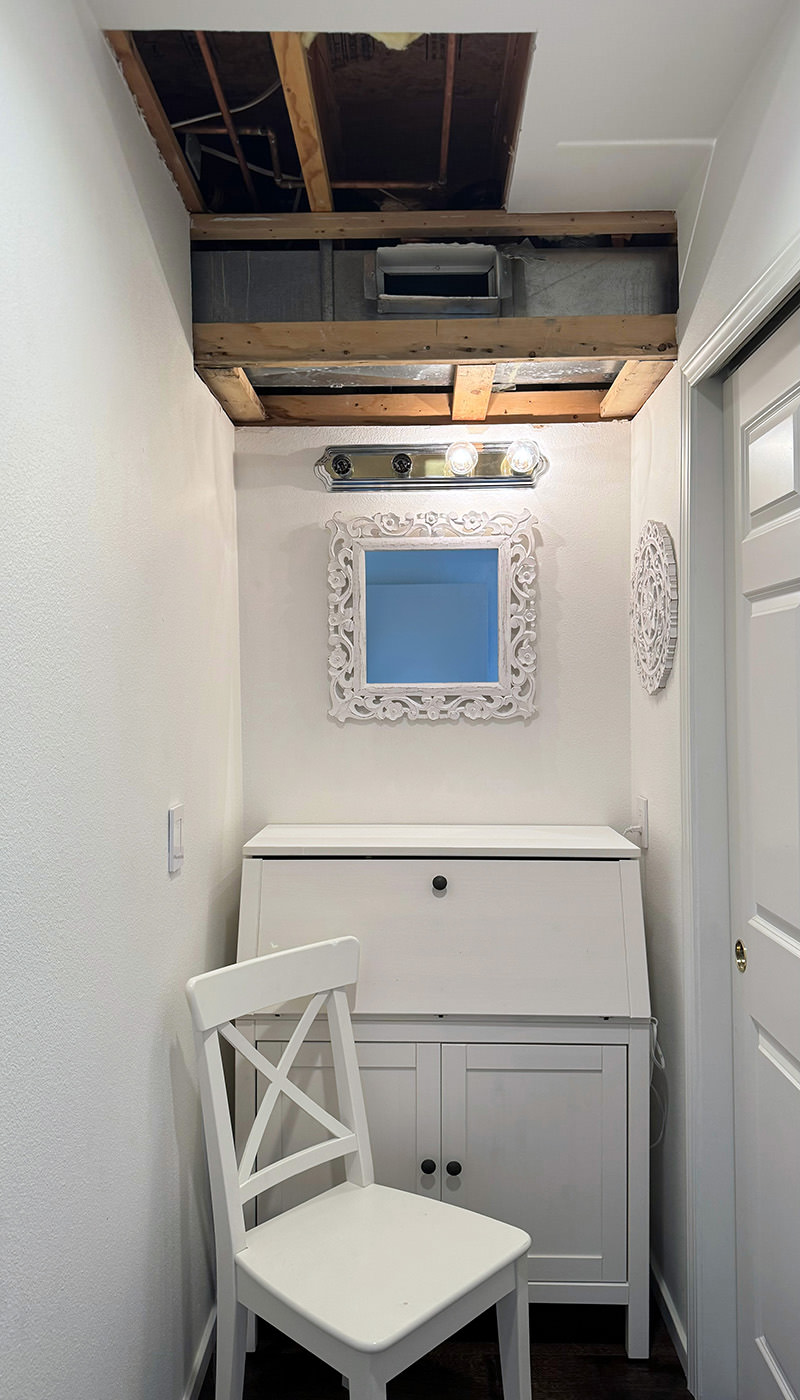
<point>138,79</point>
<point>472,390</point>
<point>234,392</point>
<point>292,61</point>
<point>632,387</point>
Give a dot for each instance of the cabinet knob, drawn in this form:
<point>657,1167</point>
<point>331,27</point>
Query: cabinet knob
<point>428,1167</point>
<point>439,882</point>
<point>453,1169</point>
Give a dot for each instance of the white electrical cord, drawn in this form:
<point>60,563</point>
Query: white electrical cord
<point>629,829</point>
<point>657,1062</point>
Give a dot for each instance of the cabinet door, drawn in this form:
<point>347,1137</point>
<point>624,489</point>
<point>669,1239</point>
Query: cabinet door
<point>401,1092</point>
<point>540,1133</point>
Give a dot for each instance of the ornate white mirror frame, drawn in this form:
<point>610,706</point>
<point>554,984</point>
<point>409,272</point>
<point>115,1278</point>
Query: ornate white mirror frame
<point>511,696</point>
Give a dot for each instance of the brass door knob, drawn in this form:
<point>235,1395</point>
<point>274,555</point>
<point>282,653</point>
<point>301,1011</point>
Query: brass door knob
<point>741,955</point>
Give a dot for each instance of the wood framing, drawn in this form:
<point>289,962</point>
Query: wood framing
<point>292,61</point>
<point>632,387</point>
<point>138,79</point>
<point>331,410</point>
<point>235,394</point>
<point>439,223</point>
<point>263,344</point>
<point>472,391</point>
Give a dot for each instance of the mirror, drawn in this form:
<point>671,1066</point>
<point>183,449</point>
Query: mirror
<point>432,616</point>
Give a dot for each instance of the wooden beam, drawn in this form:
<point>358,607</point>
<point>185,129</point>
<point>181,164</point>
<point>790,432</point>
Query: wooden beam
<point>292,61</point>
<point>266,343</point>
<point>471,392</point>
<point>427,223</point>
<point>632,387</point>
<point>234,392</point>
<point>138,79</point>
<point>332,410</point>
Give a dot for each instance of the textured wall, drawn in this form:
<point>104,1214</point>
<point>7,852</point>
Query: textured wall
<point>656,775</point>
<point>119,696</point>
<point>569,764</point>
<point>746,215</point>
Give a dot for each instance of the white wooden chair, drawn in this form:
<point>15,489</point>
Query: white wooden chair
<point>366,1277</point>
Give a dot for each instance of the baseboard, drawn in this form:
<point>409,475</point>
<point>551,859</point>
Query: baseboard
<point>202,1357</point>
<point>669,1312</point>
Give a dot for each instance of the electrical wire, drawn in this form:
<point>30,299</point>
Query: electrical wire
<point>245,107</point>
<point>658,1062</point>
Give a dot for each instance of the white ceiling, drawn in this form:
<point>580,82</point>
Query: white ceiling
<point>625,98</point>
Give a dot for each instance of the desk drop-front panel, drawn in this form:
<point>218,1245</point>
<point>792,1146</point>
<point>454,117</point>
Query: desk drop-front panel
<point>442,936</point>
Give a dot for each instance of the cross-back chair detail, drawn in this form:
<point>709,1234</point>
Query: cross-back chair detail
<point>336,960</point>
<point>366,1277</point>
<point>343,1140</point>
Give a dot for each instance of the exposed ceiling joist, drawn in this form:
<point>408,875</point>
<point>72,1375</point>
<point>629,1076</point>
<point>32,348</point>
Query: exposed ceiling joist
<point>439,223</point>
<point>472,391</point>
<point>292,61</point>
<point>235,394</point>
<point>632,387</point>
<point>262,344</point>
<point>138,80</point>
<point>330,410</point>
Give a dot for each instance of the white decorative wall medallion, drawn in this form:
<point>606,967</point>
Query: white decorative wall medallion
<point>654,606</point>
<point>432,616</point>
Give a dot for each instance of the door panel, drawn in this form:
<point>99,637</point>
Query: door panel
<point>764,728</point>
<point>540,1133</point>
<point>397,1116</point>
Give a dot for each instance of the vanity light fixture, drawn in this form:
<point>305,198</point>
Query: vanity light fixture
<point>524,457</point>
<point>431,465</point>
<point>462,458</point>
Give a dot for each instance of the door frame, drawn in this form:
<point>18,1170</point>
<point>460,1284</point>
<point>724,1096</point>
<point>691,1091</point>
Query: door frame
<point>711,1241</point>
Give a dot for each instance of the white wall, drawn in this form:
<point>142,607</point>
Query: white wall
<point>568,764</point>
<point>119,696</point>
<point>745,221</point>
<point>656,775</point>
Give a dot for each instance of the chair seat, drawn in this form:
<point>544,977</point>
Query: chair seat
<point>369,1265</point>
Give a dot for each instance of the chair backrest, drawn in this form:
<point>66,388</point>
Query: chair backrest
<point>321,972</point>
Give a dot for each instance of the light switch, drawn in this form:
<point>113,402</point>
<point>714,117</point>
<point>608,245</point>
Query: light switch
<point>175,838</point>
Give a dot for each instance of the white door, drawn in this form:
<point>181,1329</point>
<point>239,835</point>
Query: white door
<point>763,422</point>
<point>537,1136</point>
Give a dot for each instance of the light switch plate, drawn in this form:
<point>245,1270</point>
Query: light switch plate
<point>175,838</point>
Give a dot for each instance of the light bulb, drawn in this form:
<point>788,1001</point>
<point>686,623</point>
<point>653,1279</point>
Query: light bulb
<point>462,458</point>
<point>523,457</point>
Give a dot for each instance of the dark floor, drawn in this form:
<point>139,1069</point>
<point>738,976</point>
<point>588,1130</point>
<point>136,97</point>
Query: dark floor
<point>577,1353</point>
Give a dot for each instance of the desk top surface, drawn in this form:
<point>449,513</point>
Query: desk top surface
<point>553,842</point>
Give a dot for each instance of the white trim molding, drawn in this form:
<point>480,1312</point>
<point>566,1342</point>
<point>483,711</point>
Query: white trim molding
<point>510,696</point>
<point>747,316</point>
<point>202,1357</point>
<point>669,1312</point>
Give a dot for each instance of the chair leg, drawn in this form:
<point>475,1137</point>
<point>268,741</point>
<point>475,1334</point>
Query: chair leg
<point>231,1343</point>
<point>512,1330</point>
<point>365,1385</point>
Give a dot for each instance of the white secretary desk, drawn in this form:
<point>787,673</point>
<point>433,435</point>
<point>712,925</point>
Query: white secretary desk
<point>503,1025</point>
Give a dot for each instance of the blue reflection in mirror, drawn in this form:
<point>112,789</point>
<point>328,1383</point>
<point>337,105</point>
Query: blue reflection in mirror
<point>431,616</point>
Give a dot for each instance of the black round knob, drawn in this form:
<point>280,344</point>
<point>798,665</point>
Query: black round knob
<point>428,1167</point>
<point>341,466</point>
<point>453,1169</point>
<point>439,882</point>
<point>402,464</point>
